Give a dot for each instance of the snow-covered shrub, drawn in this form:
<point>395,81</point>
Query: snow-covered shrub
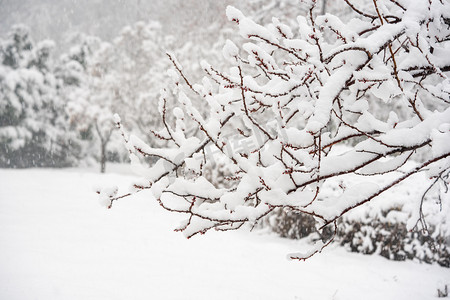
<point>289,98</point>
<point>217,172</point>
<point>442,293</point>
<point>383,226</point>
<point>394,241</point>
<point>290,224</point>
<point>389,226</point>
<point>368,235</point>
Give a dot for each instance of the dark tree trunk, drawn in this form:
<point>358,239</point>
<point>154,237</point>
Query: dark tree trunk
<point>104,139</point>
<point>103,157</point>
<point>324,7</point>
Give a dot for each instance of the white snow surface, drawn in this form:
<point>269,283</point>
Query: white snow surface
<point>58,242</point>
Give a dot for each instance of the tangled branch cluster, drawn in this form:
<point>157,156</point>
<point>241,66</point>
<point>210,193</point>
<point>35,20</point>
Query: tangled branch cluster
<point>377,83</point>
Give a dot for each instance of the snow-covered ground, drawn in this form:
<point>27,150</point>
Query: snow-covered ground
<point>58,242</point>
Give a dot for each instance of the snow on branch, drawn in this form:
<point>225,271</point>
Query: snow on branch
<point>292,99</point>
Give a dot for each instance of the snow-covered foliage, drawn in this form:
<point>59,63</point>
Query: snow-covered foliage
<point>289,98</point>
<point>33,123</point>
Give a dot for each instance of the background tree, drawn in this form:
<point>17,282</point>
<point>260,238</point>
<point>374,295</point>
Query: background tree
<point>32,117</point>
<point>72,73</point>
<point>119,77</point>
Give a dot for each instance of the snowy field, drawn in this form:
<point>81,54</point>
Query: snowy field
<point>57,242</point>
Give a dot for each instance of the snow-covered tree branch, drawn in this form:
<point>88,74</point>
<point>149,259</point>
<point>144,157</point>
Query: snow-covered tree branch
<point>292,97</point>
